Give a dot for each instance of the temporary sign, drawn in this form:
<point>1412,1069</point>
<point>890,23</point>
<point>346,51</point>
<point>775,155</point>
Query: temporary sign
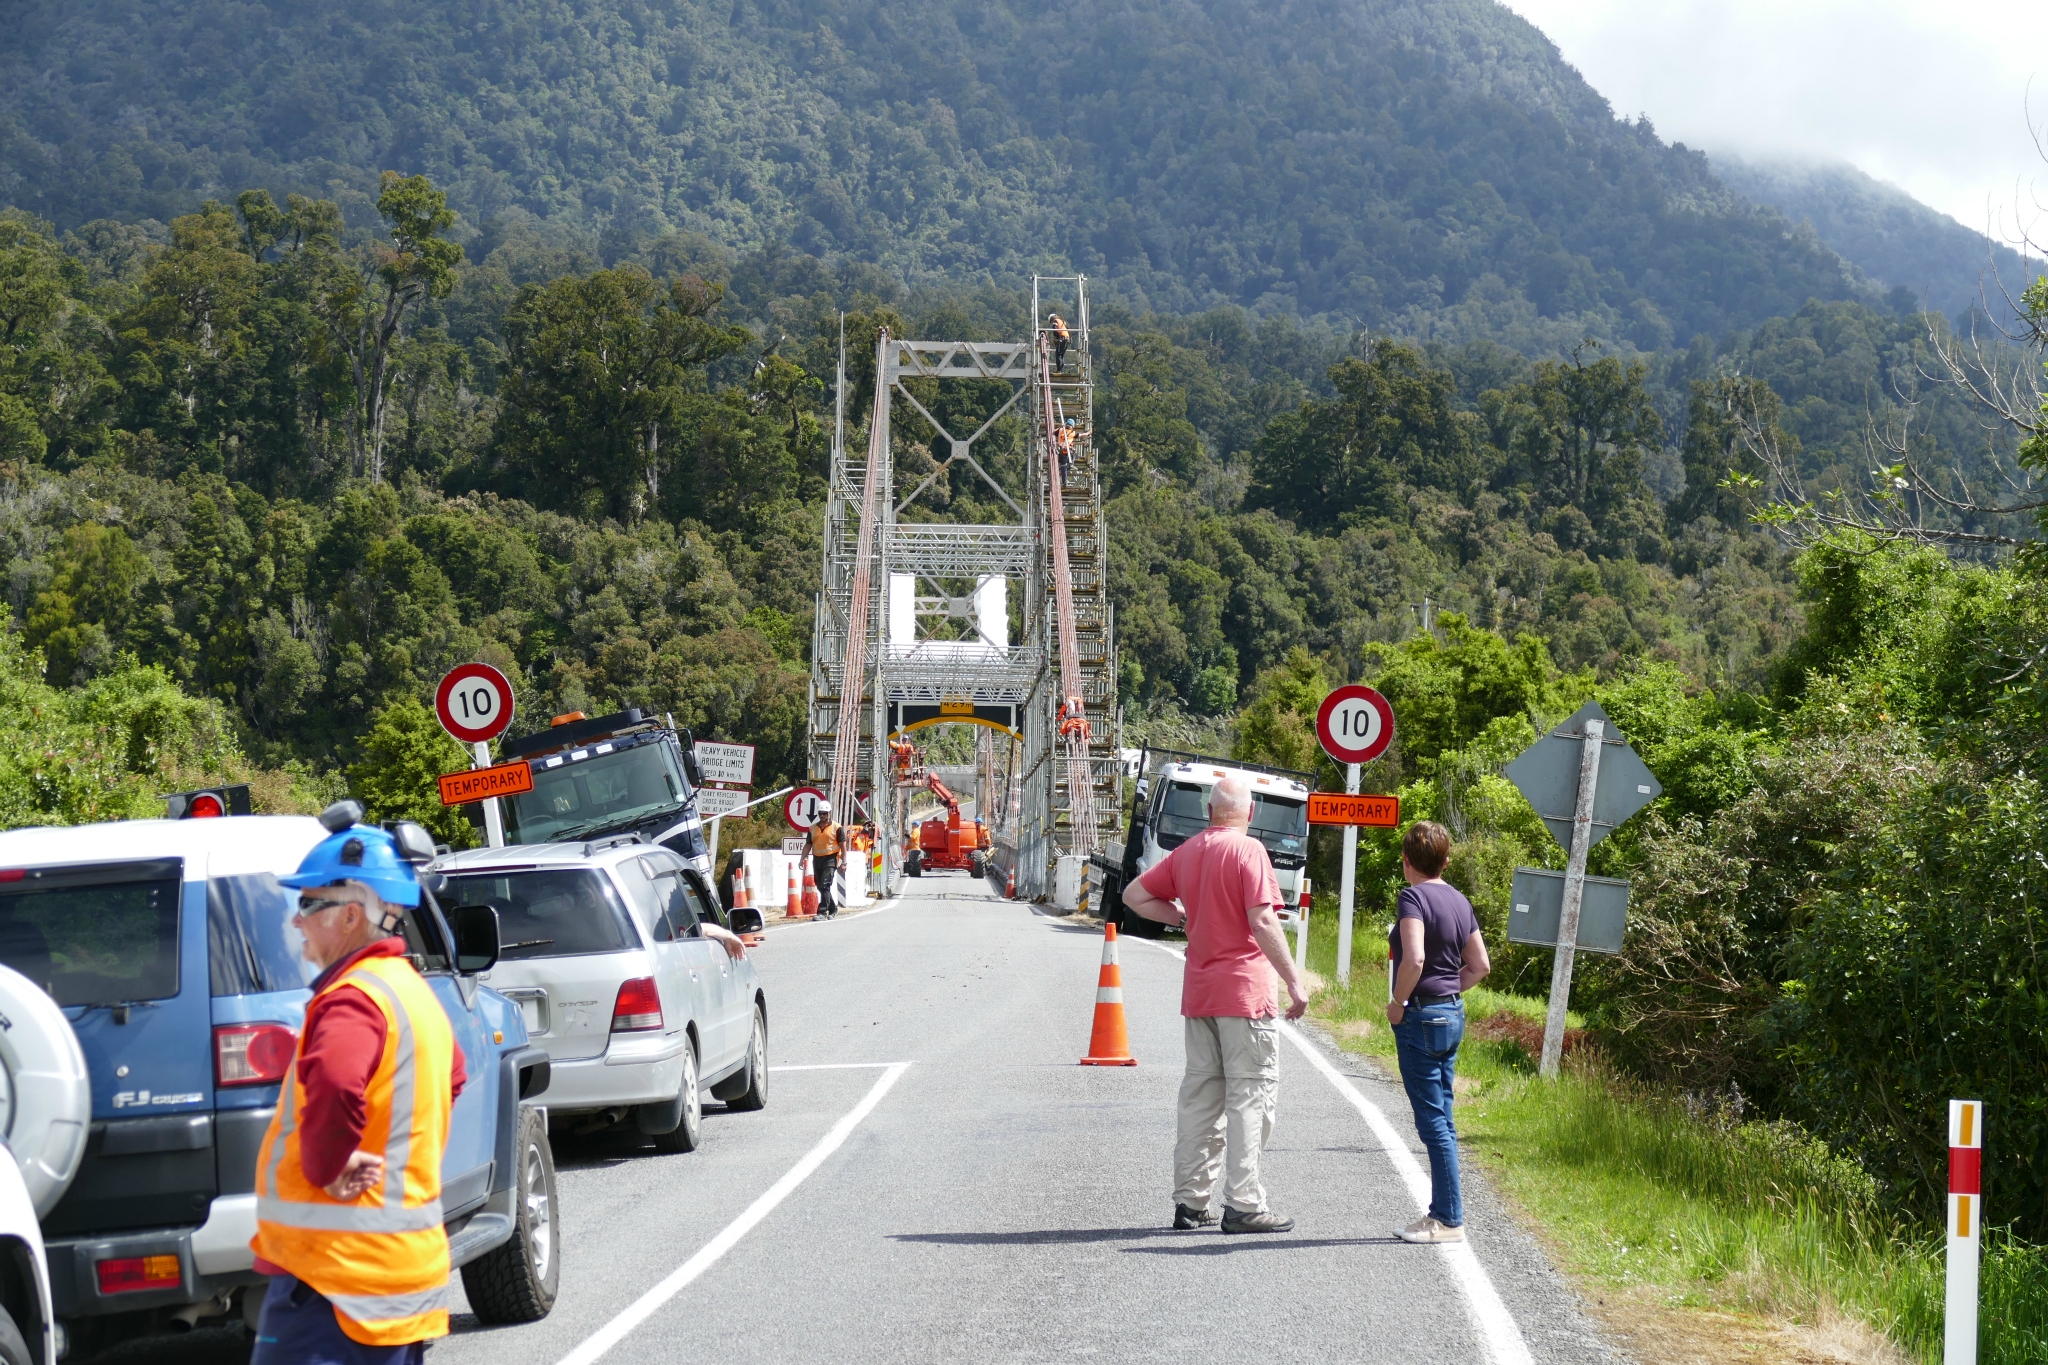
<point>1537,903</point>
<point>474,703</point>
<point>801,809</point>
<point>1548,774</point>
<point>716,801</point>
<point>728,763</point>
<point>1336,808</point>
<point>477,784</point>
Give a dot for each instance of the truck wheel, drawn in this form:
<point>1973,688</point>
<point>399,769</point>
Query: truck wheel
<point>914,864</point>
<point>977,867</point>
<point>685,1136</point>
<point>518,1281</point>
<point>754,1074</point>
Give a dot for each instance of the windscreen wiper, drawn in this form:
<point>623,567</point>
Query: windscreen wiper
<point>525,943</point>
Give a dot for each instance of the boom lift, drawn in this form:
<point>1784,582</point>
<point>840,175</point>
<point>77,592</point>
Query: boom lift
<point>947,841</point>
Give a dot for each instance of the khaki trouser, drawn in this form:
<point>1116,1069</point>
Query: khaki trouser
<point>1226,1101</point>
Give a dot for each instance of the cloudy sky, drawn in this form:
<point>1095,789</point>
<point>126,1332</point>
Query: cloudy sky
<point>1931,96</point>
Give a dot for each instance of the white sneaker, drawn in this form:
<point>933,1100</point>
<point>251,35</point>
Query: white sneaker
<point>1428,1230</point>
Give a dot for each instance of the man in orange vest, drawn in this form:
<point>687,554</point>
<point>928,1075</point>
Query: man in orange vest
<point>825,859</point>
<point>348,1179</point>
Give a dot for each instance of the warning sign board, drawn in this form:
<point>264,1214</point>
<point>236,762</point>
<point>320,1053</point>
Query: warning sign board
<point>1335,808</point>
<point>475,784</point>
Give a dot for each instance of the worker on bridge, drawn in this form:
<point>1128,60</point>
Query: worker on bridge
<point>348,1179</point>
<point>1057,325</point>
<point>825,849</point>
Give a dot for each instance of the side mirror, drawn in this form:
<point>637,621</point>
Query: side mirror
<point>745,919</point>
<point>476,937</point>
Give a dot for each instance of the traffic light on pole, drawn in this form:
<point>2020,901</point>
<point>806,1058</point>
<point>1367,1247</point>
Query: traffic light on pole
<point>208,802</point>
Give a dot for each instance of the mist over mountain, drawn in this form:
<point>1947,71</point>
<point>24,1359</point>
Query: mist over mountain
<point>1426,166</point>
<point>1897,241</point>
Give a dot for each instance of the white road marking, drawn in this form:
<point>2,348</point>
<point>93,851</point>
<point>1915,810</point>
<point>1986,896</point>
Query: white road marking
<point>837,1066</point>
<point>1500,1336</point>
<point>643,1308</point>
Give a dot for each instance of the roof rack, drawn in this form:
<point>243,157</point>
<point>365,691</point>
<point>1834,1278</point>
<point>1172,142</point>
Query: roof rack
<point>592,847</point>
<point>1146,765</point>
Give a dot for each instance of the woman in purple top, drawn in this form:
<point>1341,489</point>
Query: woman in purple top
<point>1438,955</point>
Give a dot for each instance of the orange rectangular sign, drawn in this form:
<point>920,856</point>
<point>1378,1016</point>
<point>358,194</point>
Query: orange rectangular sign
<point>1336,808</point>
<point>502,779</point>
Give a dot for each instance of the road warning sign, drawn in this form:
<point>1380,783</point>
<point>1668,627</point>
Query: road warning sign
<point>477,784</point>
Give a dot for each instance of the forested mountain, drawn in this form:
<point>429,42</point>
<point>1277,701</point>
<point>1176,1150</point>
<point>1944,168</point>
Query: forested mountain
<point>1893,238</point>
<point>1429,166</point>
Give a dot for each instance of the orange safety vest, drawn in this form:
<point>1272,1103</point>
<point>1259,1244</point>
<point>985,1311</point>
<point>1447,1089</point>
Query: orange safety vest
<point>824,840</point>
<point>382,1260</point>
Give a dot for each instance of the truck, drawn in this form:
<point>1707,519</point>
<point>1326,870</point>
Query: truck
<point>946,841</point>
<point>1171,804</point>
<point>593,778</point>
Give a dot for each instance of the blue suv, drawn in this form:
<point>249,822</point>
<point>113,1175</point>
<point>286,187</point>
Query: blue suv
<point>168,944</point>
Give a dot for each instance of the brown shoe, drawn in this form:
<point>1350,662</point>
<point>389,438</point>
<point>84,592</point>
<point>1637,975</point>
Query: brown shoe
<point>1428,1230</point>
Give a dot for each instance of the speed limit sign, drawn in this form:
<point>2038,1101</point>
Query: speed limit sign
<point>1355,724</point>
<point>474,703</point>
<point>801,809</point>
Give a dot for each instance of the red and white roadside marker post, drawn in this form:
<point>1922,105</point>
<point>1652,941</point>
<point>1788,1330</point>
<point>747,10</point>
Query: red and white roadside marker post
<point>1965,1229</point>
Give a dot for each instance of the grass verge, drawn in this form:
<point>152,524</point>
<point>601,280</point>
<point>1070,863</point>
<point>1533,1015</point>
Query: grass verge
<point>1675,1205</point>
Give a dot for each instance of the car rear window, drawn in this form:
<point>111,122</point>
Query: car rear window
<point>565,913</point>
<point>252,944</point>
<point>103,934</point>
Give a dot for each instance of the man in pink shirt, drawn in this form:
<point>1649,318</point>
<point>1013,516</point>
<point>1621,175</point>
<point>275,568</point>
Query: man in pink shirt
<point>1224,884</point>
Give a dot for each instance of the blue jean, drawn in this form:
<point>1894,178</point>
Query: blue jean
<point>1427,1041</point>
<point>298,1328</point>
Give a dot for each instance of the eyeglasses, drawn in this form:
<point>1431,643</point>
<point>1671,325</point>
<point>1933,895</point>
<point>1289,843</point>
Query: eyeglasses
<point>310,906</point>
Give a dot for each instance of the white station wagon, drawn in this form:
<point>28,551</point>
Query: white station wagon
<point>638,1010</point>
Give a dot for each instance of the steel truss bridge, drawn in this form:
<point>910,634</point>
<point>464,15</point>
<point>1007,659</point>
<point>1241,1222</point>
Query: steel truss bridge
<point>914,619</point>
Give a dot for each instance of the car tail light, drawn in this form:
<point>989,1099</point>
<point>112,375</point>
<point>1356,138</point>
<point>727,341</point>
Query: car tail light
<point>639,1006</point>
<point>132,1273</point>
<point>252,1054</point>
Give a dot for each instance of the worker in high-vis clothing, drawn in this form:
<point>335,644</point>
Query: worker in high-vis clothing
<point>825,848</point>
<point>348,1179</point>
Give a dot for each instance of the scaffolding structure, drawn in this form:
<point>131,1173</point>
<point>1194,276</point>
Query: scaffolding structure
<point>913,625</point>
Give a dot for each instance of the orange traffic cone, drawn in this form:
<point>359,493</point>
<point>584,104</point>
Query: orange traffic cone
<point>1111,1043</point>
<point>1010,887</point>
<point>795,908</point>
<point>810,890</point>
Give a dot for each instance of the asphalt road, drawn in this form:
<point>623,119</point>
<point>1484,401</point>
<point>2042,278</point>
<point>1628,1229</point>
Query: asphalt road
<point>935,1179</point>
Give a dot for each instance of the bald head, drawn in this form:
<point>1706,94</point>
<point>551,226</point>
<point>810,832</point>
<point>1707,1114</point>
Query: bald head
<point>1230,802</point>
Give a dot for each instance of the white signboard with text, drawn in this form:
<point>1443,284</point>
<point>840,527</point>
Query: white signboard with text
<point>728,763</point>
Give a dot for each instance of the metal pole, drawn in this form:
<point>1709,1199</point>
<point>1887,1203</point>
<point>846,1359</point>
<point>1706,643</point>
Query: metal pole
<point>1574,896</point>
<point>716,821</point>
<point>1346,886</point>
<point>494,823</point>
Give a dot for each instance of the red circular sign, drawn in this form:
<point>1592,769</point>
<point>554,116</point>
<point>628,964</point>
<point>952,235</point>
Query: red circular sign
<point>474,703</point>
<point>801,809</point>
<point>1355,724</point>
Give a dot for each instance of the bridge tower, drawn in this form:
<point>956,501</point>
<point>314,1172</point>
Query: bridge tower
<point>914,624</point>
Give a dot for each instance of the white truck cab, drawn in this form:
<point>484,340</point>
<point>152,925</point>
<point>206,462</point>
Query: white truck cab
<point>1172,804</point>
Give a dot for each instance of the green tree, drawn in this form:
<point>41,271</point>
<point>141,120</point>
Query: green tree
<point>404,752</point>
<point>598,371</point>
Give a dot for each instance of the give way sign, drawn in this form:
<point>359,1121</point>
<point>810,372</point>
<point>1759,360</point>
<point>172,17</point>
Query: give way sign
<point>801,809</point>
<point>474,703</point>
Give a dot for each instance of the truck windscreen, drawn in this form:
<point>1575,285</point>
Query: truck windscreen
<point>585,795</point>
<point>1281,824</point>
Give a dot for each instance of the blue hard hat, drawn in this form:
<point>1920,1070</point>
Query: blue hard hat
<point>363,854</point>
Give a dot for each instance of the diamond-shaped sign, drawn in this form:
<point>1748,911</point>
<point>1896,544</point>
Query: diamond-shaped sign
<point>1548,774</point>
